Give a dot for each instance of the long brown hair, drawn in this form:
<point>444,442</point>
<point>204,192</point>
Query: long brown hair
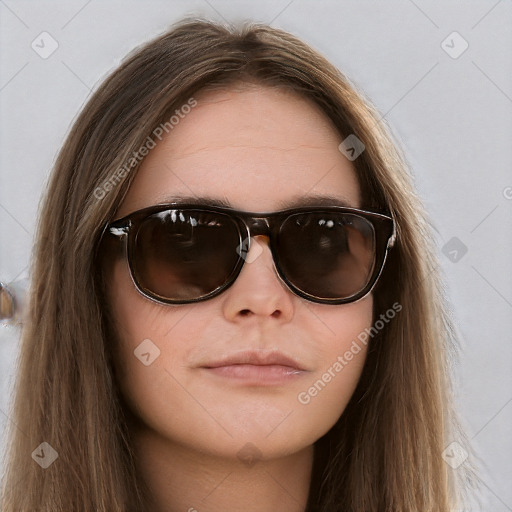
<point>384,453</point>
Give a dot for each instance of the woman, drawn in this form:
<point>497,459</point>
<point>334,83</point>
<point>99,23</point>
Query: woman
<point>235,303</point>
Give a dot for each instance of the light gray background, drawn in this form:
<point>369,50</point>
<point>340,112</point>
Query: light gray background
<point>452,116</point>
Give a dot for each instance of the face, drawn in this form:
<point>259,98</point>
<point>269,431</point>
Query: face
<point>256,148</point>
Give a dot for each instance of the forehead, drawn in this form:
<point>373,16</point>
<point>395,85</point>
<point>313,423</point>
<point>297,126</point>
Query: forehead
<point>253,147</point>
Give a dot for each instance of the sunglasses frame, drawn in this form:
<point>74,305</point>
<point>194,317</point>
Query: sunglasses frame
<point>251,224</point>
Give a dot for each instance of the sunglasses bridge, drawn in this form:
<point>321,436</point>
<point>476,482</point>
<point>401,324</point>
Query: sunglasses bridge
<point>256,225</point>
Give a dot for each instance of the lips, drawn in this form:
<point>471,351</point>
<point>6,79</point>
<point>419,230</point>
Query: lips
<point>256,368</point>
<point>256,359</point>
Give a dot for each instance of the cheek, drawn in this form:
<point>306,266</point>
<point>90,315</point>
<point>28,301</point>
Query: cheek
<point>147,349</point>
<point>342,347</point>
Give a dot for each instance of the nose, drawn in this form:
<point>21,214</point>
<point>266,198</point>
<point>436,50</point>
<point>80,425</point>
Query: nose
<point>258,291</point>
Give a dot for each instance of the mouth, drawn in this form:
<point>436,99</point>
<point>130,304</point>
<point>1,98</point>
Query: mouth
<point>256,368</point>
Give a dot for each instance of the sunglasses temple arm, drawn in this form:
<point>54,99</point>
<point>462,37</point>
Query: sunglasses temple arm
<point>118,231</point>
<point>392,240</point>
<point>113,239</point>
<point>393,237</point>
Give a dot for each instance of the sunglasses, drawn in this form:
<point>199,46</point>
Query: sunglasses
<point>184,253</point>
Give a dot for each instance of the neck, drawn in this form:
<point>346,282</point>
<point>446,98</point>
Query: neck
<point>181,479</point>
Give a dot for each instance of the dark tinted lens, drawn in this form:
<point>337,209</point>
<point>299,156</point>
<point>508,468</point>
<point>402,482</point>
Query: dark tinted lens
<point>328,255</point>
<point>185,254</point>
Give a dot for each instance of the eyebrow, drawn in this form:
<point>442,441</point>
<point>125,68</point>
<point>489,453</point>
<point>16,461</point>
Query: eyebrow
<point>296,201</point>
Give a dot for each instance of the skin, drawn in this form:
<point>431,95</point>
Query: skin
<point>254,147</point>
